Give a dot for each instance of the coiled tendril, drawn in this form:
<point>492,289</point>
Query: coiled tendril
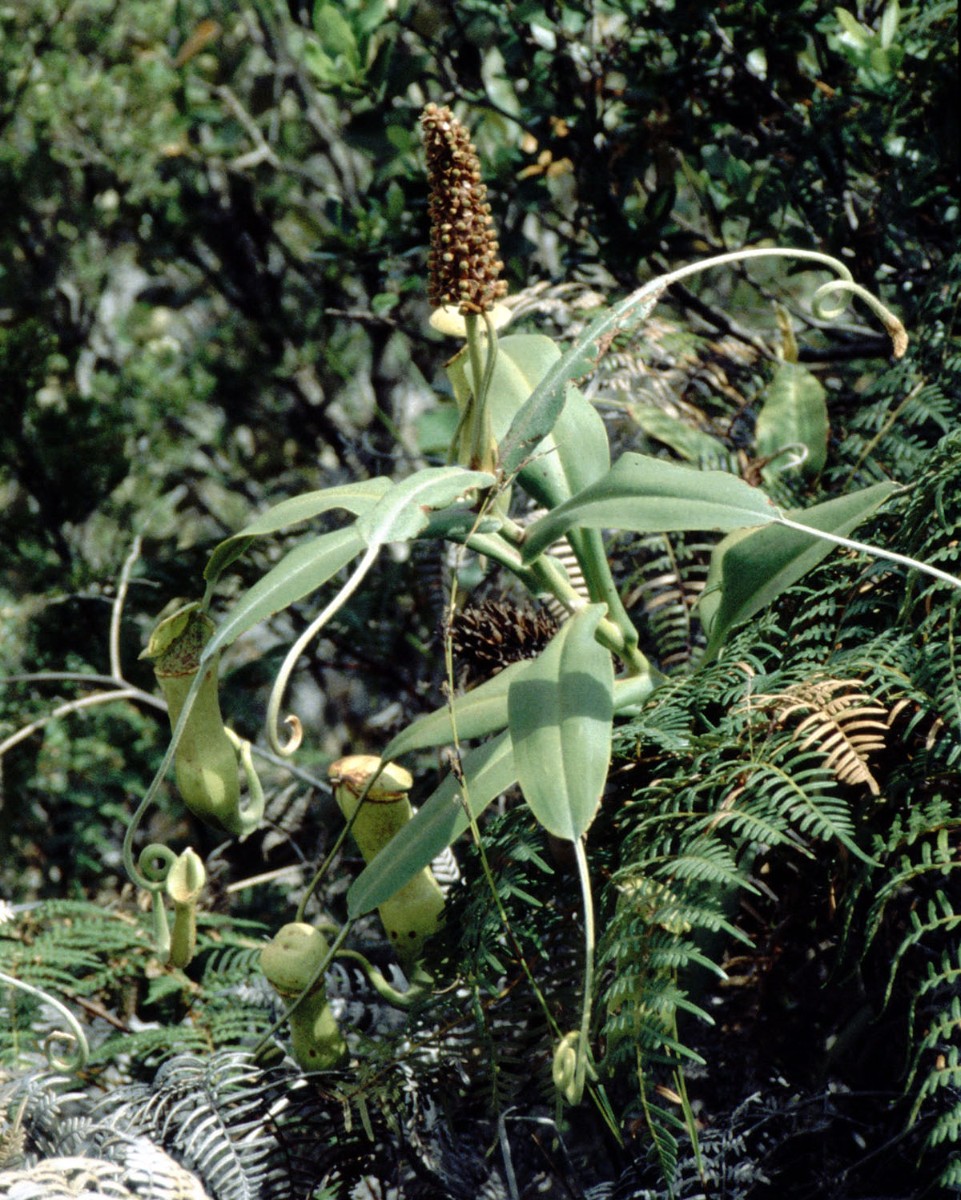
<point>73,1036</point>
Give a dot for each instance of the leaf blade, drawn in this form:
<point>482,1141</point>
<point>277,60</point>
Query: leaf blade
<point>355,498</point>
<point>794,413</point>
<point>650,495</point>
<point>752,567</point>
<point>560,715</point>
<point>538,415</point>
<point>479,712</point>
<point>403,511</point>
<point>302,571</point>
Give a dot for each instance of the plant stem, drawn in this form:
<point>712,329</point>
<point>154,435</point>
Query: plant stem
<point>553,579</point>
<point>583,1044</point>
<point>480,438</point>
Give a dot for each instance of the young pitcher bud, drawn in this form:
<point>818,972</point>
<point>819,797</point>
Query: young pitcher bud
<point>413,913</point>
<point>184,884</point>
<point>290,962</point>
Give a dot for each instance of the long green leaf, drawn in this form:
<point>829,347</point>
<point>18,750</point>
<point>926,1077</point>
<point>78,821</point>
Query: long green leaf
<point>750,568</point>
<point>458,523</point>
<point>401,513</point>
<point>488,770</point>
<point>405,510</point>
<point>685,440</point>
<point>573,454</point>
<point>355,498</point>
<point>477,713</point>
<point>483,711</point>
<point>560,715</point>
<point>300,572</point>
<point>575,450</point>
<point>539,414</point>
<point>650,495</point>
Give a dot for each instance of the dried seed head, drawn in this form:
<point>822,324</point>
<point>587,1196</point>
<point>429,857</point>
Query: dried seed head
<point>463,266</point>
<point>492,634</point>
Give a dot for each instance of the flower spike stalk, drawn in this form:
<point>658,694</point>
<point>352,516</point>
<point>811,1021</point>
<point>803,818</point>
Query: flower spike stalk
<point>374,800</point>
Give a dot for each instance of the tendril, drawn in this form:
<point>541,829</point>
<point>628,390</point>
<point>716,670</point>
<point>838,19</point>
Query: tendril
<point>250,815</point>
<point>73,1036</point>
<point>293,654</point>
<point>155,862</point>
<point>847,287</point>
<point>828,312</point>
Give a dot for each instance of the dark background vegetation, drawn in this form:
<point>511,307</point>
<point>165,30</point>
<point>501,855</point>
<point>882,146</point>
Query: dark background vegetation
<point>212,296</point>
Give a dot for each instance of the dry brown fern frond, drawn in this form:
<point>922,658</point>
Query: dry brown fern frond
<point>843,723</point>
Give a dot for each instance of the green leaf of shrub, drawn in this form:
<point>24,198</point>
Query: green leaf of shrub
<point>539,414</point>
<point>403,512</point>
<point>752,567</point>
<point>693,444</point>
<point>560,714</point>
<point>355,498</point>
<point>339,46</point>
<point>483,711</point>
<point>479,712</point>
<point>306,568</point>
<point>650,495</point>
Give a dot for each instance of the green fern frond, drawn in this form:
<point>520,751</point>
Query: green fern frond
<point>942,976</point>
<point>937,919</point>
<point>96,960</point>
<point>663,1125</point>
<point>932,860</point>
<point>666,577</point>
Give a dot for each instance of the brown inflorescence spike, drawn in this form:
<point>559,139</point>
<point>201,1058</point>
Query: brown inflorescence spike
<point>463,266</point>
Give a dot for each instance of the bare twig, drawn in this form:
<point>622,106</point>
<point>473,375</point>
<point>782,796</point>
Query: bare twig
<point>71,706</point>
<point>263,152</point>
<point>116,612</point>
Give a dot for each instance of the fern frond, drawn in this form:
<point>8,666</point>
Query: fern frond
<point>747,817</point>
<point>932,860</point>
<point>207,1111</point>
<point>68,1177</point>
<point>796,785</point>
<point>662,587</point>
<point>843,724</point>
<point>942,976</point>
<point>939,917</point>
<point>663,1125</point>
<point>706,862</point>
